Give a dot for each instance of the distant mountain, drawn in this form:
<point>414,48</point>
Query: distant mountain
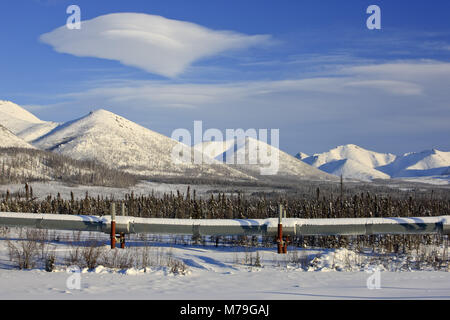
<point>352,169</point>
<point>419,164</point>
<point>23,123</point>
<point>288,166</point>
<point>123,144</point>
<point>366,157</point>
<point>10,140</point>
<point>354,162</point>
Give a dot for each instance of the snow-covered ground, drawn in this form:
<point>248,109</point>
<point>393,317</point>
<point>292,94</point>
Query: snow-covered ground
<point>222,273</point>
<point>226,285</point>
<point>442,180</point>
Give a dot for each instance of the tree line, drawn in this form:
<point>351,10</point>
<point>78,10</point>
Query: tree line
<point>29,165</point>
<point>232,206</point>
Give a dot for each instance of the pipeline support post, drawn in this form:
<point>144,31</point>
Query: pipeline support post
<point>122,240</point>
<point>113,225</point>
<point>286,240</point>
<point>123,210</point>
<point>280,230</point>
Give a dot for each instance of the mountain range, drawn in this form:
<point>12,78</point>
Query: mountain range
<point>354,162</point>
<point>266,157</point>
<point>122,144</point>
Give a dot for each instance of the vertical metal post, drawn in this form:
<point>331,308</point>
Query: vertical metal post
<point>122,240</point>
<point>123,213</point>
<point>280,229</point>
<point>113,225</point>
<point>285,242</point>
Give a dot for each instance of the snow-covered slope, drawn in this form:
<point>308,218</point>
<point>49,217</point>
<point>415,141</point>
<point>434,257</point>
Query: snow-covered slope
<point>263,160</point>
<point>352,169</point>
<point>23,123</point>
<point>419,164</point>
<point>37,130</point>
<point>10,140</point>
<point>123,144</point>
<point>352,161</point>
<point>367,158</point>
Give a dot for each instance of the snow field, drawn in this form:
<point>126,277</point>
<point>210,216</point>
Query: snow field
<point>220,273</point>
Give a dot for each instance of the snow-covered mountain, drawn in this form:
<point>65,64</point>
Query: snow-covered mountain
<point>367,158</point>
<point>23,123</point>
<point>352,169</point>
<point>123,144</point>
<point>10,140</point>
<point>261,159</point>
<point>419,164</point>
<point>354,162</point>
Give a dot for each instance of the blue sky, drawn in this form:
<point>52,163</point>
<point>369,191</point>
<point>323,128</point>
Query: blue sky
<point>309,68</point>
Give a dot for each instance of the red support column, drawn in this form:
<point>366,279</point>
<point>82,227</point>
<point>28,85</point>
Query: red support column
<point>113,226</point>
<point>113,234</point>
<point>280,229</point>
<point>280,238</point>
<point>122,240</point>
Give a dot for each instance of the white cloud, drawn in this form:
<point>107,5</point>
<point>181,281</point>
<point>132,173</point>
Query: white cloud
<point>152,43</point>
<point>382,81</point>
<point>391,86</point>
<point>412,70</point>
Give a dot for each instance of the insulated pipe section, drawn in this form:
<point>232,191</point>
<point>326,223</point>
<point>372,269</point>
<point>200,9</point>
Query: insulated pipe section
<point>374,226</point>
<point>198,227</point>
<point>266,227</point>
<point>52,221</point>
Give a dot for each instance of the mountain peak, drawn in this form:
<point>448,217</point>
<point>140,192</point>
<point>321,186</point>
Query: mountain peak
<point>15,117</point>
<point>349,146</point>
<point>120,143</point>
<point>101,113</point>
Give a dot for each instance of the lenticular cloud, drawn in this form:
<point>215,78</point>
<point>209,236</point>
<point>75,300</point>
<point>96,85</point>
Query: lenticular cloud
<point>152,43</point>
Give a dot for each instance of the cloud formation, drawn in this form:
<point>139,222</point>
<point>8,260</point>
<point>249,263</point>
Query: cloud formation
<point>406,80</point>
<point>402,102</point>
<point>152,43</point>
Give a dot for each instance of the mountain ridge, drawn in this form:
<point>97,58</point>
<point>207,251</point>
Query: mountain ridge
<point>118,142</point>
<point>355,162</point>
